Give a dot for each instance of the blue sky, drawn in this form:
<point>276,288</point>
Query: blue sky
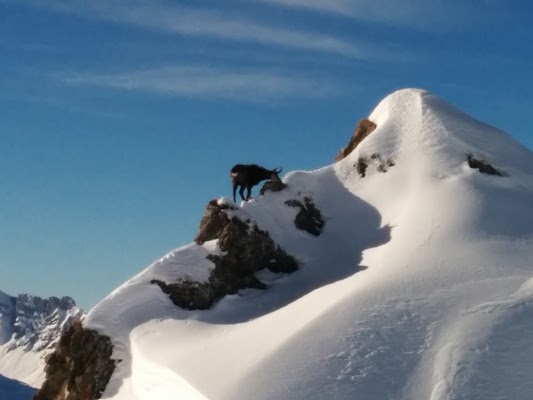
<point>121,119</point>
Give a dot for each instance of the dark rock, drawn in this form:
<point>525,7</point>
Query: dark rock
<point>214,219</point>
<point>482,166</point>
<point>201,296</point>
<point>188,295</point>
<point>247,249</point>
<point>309,218</point>
<point>364,128</point>
<point>375,159</point>
<point>273,186</point>
<point>79,368</point>
<point>361,167</point>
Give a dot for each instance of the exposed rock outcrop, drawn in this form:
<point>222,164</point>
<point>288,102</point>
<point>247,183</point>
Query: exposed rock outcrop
<point>363,163</point>
<point>482,166</point>
<point>361,166</point>
<point>247,249</point>
<point>309,218</point>
<point>273,186</point>
<point>364,128</point>
<point>79,368</point>
<point>213,222</point>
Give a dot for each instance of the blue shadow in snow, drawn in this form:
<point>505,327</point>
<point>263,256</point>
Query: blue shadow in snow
<point>11,389</point>
<point>352,226</point>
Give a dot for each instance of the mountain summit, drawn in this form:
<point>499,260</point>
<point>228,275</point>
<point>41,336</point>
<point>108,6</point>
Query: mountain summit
<point>401,271</point>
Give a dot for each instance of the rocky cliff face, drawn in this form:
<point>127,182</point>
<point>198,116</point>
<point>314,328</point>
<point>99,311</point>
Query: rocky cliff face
<point>79,368</point>
<point>246,250</point>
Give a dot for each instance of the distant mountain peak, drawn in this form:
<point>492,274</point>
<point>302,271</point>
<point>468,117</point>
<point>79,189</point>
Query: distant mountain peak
<point>32,325</point>
<point>37,322</point>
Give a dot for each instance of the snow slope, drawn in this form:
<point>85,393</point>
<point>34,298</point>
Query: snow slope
<point>442,311</point>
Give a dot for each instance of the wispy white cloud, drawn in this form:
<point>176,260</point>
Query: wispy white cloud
<point>351,8</point>
<point>434,15</point>
<point>208,82</point>
<point>193,22</point>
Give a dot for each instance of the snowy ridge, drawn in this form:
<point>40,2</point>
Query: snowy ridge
<point>442,310</point>
<point>30,326</point>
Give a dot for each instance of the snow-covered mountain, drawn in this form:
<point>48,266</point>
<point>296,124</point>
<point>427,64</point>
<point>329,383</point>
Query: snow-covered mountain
<point>413,280</point>
<point>30,327</point>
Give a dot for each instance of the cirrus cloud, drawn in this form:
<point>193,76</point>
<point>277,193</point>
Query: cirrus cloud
<point>208,82</point>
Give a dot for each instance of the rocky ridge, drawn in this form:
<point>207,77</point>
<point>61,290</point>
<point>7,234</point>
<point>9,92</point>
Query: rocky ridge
<point>246,250</point>
<point>79,368</point>
<point>82,364</point>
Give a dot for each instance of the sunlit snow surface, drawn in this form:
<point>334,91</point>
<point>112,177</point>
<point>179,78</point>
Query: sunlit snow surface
<point>442,311</point>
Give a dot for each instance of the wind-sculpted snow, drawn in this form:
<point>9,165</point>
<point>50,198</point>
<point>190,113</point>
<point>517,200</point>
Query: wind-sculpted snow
<point>418,286</point>
<point>494,363</point>
<point>138,302</point>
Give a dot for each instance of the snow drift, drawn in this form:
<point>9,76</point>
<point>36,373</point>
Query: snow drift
<point>419,285</point>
